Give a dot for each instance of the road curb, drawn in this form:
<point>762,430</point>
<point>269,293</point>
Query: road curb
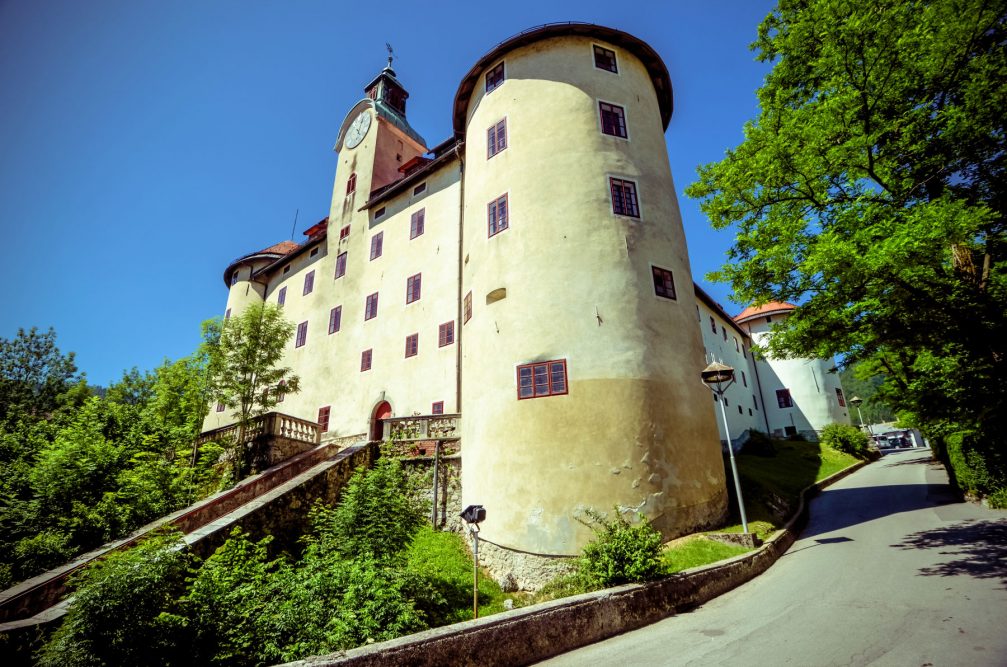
<point>538,632</point>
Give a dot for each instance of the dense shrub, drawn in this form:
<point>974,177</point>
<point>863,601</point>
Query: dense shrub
<point>980,468</point>
<point>847,439</point>
<point>621,552</point>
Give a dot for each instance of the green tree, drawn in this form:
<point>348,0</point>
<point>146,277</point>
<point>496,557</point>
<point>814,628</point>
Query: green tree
<point>871,189</point>
<point>244,356</point>
<point>33,374</point>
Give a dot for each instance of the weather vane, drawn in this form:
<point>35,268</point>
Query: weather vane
<point>391,54</point>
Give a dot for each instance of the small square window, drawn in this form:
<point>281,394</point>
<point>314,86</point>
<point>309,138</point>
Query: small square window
<point>664,283</point>
<point>377,244</point>
<point>624,197</point>
<point>379,213</point>
<point>309,283</point>
<point>446,334</point>
<point>340,265</point>
<point>437,408</point>
<point>412,345</point>
<point>496,138</point>
<point>371,307</point>
<point>495,78</point>
<point>281,297</point>
<point>783,398</point>
<point>416,223</point>
<point>420,189</point>
<point>497,216</point>
<point>605,59</point>
<point>335,319</point>
<point>302,334</point>
<point>541,379</point>
<point>313,253</point>
<point>413,284</point>
<point>613,120</point>
<point>351,183</point>
<point>467,308</point>
<point>365,360</point>
<point>323,419</point>
<point>344,232</point>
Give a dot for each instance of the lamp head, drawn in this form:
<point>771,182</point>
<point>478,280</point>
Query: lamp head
<point>717,373</point>
<point>473,514</point>
<point>856,401</point>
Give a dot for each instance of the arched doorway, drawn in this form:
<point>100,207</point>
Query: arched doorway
<point>381,412</point>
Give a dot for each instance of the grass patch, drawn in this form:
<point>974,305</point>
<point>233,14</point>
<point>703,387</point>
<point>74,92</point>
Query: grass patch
<point>444,558</point>
<point>697,551</point>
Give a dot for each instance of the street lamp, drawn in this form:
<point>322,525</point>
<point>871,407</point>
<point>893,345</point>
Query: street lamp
<point>718,377</point>
<point>473,515</point>
<point>855,402</point>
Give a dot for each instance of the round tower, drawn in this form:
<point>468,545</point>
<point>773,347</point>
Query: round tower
<point>581,354</point>
<point>239,276</point>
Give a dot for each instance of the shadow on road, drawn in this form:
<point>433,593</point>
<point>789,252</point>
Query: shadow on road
<point>836,509</point>
<point>978,548</point>
<point>887,460</point>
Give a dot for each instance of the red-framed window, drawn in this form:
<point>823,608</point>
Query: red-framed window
<point>335,319</point>
<point>546,378</point>
<point>605,59</point>
<point>495,78</point>
<point>340,265</point>
<point>309,283</point>
<point>344,232</point>
<point>496,215</point>
<point>227,314</point>
<point>377,245</point>
<point>281,391</point>
<point>281,297</point>
<point>351,183</point>
<point>413,286</point>
<point>783,398</point>
<point>613,120</point>
<point>664,282</point>
<point>365,360</point>
<point>446,334</point>
<point>437,408</point>
<point>416,221</point>
<point>371,307</point>
<point>412,345</point>
<point>842,399</point>
<point>496,138</point>
<point>302,334</point>
<point>323,418</point>
<point>467,308</point>
<point>220,407</point>
<point>624,197</point>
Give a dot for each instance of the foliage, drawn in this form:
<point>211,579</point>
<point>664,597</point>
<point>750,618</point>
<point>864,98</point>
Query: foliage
<point>696,552</point>
<point>33,374</point>
<point>875,409</point>
<point>847,439</point>
<point>122,610</point>
<point>244,354</point>
<point>978,471</point>
<point>621,552</point>
<point>871,189</point>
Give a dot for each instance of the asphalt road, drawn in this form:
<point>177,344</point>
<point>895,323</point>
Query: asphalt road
<point>889,571</point>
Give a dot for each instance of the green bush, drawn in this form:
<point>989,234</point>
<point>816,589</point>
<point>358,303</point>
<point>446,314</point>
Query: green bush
<point>620,552</point>
<point>979,466</point>
<point>847,439</point>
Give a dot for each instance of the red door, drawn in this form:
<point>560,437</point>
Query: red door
<point>381,412</point>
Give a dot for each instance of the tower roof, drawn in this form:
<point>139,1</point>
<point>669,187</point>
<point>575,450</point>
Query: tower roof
<point>273,252</point>
<point>771,308</point>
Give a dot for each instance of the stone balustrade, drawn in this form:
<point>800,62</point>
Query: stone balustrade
<point>422,427</point>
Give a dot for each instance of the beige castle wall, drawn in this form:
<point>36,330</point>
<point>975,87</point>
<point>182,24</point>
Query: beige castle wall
<point>636,429</point>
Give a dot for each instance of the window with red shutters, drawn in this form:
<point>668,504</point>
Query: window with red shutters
<point>412,345</point>
<point>340,265</point>
<point>446,334</point>
<point>842,399</point>
<point>371,307</point>
<point>624,198</point>
<point>377,243</point>
<point>416,223</point>
<point>605,59</point>
<point>309,283</point>
<point>496,138</point>
<point>335,319</point>
<point>323,419</point>
<point>365,360</point>
<point>220,407</point>
<point>467,308</point>
<point>546,378</point>
<point>496,215</point>
<point>413,284</point>
<point>664,282</point>
<point>437,408</point>
<point>281,297</point>
<point>613,120</point>
<point>783,398</point>
<point>495,78</point>
<point>344,232</point>
<point>351,183</point>
<point>302,334</point>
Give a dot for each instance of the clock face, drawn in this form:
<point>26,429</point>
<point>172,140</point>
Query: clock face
<point>358,129</point>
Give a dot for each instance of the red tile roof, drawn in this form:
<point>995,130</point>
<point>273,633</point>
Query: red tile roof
<point>765,309</point>
<point>281,248</point>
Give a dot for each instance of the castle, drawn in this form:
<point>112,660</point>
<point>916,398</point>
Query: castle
<point>529,274</point>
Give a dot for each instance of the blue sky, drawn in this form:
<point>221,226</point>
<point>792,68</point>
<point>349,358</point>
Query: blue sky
<point>145,144</point>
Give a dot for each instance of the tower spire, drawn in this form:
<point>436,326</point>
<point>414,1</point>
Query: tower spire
<point>391,54</point>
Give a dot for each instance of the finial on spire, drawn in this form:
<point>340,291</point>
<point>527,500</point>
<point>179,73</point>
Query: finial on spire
<point>391,54</point>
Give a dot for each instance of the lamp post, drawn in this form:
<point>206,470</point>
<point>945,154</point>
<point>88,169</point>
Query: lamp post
<point>855,402</point>
<point>718,377</point>
<point>473,515</point>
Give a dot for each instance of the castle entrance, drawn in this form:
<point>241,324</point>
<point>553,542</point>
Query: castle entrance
<point>382,411</point>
